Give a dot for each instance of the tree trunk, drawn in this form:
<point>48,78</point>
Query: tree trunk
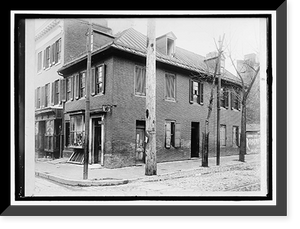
<point>243,133</point>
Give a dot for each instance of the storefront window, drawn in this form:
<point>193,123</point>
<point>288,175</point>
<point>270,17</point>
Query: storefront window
<point>77,131</point>
<point>49,135</point>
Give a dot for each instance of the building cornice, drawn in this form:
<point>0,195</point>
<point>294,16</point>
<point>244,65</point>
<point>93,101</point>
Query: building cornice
<point>47,29</point>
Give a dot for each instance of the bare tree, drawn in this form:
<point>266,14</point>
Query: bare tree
<point>216,65</point>
<point>243,97</point>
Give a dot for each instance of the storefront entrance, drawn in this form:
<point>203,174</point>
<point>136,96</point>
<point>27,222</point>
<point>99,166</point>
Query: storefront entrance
<point>97,153</point>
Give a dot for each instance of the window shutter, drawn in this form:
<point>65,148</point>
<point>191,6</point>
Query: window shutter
<point>72,87</point>
<point>103,78</point>
<point>168,135</point>
<point>199,95</point>
<point>191,91</point>
<point>44,59</point>
<point>43,96</point>
<point>52,92</point>
<point>201,92</point>
<point>226,97</point>
<point>93,81</point>
<point>51,54</point>
<point>36,99</point>
<point>232,100</point>
<point>63,90</point>
<point>177,135</point>
<point>76,86</point>
<point>55,49</point>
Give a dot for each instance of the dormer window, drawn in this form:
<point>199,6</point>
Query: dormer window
<point>170,47</point>
<point>165,44</point>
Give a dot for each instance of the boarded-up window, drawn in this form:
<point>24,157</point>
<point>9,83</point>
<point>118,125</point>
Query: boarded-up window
<point>223,135</point>
<point>140,81</point>
<point>170,86</point>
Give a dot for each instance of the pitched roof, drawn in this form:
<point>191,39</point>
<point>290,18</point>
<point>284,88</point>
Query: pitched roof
<point>134,42</point>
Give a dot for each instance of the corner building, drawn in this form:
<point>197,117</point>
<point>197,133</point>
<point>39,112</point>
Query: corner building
<point>118,99</point>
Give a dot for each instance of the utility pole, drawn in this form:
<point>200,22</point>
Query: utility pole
<point>151,167</point>
<point>87,105</point>
<point>219,100</point>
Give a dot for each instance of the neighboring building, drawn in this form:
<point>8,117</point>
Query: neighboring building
<point>118,89</point>
<point>57,41</point>
<point>253,101</point>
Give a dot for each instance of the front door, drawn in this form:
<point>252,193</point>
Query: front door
<point>195,139</point>
<point>97,152</point>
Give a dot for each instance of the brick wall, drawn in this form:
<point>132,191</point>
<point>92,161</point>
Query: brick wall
<point>131,108</point>
<point>120,124</point>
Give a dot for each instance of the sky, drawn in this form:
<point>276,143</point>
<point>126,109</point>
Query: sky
<point>242,35</point>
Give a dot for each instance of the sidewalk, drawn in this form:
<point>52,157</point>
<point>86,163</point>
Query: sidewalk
<point>71,174</point>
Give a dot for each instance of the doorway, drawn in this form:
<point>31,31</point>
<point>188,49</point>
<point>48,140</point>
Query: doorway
<point>140,142</point>
<point>97,141</point>
<point>195,139</point>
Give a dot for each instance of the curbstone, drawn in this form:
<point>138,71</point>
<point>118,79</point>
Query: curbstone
<point>83,183</point>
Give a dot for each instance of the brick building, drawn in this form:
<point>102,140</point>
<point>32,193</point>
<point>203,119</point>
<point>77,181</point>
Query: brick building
<point>57,41</point>
<point>117,103</point>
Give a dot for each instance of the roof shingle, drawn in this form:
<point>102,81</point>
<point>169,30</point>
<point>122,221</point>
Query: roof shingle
<point>134,42</point>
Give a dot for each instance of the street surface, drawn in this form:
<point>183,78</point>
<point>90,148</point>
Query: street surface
<point>245,177</point>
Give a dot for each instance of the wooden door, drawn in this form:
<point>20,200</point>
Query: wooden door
<point>97,141</point>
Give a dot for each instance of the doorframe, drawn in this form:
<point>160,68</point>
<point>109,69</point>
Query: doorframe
<point>91,139</point>
<point>198,124</point>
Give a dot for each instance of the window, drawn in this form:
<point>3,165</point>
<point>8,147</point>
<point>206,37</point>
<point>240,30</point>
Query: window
<point>57,51</point>
<point>235,136</point>
<point>77,131</point>
<point>170,47</point>
<point>224,97</point>
<point>81,84</point>
<point>49,135</point>
<point>172,134</point>
<point>56,92</point>
<point>140,81</point>
<point>235,100</point>
<point>39,61</point>
<point>170,87</point>
<point>222,135</point>
<point>196,92</point>
<point>99,80</point>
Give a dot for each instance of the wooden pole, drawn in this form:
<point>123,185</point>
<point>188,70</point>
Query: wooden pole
<point>218,102</point>
<point>87,106</point>
<point>151,167</point>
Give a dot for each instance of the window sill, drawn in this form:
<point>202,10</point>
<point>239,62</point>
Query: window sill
<point>170,100</point>
<point>194,103</point>
<point>141,96</point>
<point>97,95</point>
